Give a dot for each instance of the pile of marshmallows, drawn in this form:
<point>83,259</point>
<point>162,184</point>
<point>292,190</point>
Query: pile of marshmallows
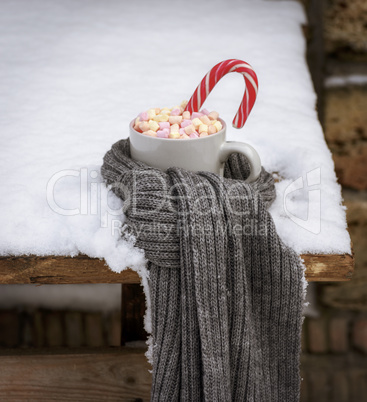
<point>176,124</point>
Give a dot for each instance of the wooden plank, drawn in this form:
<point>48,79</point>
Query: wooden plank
<point>114,374</point>
<point>82,269</point>
<point>328,267</point>
<point>60,270</point>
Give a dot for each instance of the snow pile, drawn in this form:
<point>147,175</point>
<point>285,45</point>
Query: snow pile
<point>73,74</point>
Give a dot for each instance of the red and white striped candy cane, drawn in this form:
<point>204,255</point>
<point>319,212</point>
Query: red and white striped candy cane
<point>214,75</point>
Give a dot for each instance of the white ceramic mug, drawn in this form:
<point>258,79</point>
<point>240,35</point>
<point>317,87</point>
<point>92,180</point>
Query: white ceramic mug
<point>201,154</point>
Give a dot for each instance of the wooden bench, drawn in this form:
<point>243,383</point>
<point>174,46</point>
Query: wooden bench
<point>79,374</point>
<point>83,269</point>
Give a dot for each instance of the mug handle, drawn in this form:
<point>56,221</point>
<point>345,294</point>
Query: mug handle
<point>248,151</point>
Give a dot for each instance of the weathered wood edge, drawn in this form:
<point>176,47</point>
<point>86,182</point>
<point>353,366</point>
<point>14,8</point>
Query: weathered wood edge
<point>122,374</point>
<point>83,270</point>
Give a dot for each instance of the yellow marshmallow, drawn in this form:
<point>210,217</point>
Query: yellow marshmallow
<point>203,134</point>
<point>196,122</point>
<point>184,103</point>
<point>153,125</point>
<point>184,137</point>
<point>160,117</point>
<point>203,128</point>
<point>213,121</point>
<point>151,113</point>
<point>174,135</point>
<point>218,125</point>
<point>175,128</point>
<point>137,121</point>
<point>186,115</point>
<point>175,119</point>
<point>157,110</point>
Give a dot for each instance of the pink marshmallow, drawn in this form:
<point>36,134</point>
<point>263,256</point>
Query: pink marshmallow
<point>164,124</point>
<point>162,134</point>
<point>182,131</point>
<point>143,116</point>
<point>175,112</point>
<point>194,135</point>
<point>186,123</point>
<point>204,111</point>
<point>195,115</point>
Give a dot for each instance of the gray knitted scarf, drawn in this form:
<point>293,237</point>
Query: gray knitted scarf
<point>226,293</point>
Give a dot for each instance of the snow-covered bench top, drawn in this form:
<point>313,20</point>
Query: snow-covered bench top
<point>74,73</point>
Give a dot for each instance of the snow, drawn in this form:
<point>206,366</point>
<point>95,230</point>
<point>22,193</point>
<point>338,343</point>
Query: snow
<point>343,80</point>
<point>74,73</point>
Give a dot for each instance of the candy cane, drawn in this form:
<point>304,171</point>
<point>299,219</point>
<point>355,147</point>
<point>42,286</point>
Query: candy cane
<point>214,75</point>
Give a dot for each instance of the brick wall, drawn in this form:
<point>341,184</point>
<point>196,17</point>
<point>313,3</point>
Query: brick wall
<point>334,358</point>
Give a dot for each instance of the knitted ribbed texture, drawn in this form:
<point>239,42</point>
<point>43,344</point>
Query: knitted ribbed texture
<point>226,293</point>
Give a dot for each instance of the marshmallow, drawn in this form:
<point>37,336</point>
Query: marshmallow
<point>186,123</point>
<point>196,115</point>
<point>163,125</point>
<point>143,116</point>
<point>189,129</point>
<point>160,117</point>
<point>196,122</point>
<point>218,125</point>
<point>151,113</point>
<point>213,116</point>
<point>212,129</point>
<point>150,133</point>
<point>205,120</point>
<point>136,124</point>
<point>175,128</point>
<point>186,115</point>
<point>144,126</point>
<point>175,112</point>
<point>175,119</point>
<point>175,136</point>
<point>153,125</point>
<point>177,123</point>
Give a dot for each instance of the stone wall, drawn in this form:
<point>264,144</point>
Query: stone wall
<point>334,359</point>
